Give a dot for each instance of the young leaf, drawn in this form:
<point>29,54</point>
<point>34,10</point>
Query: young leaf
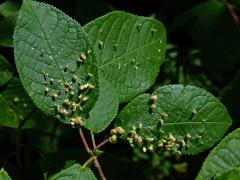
<point>105,108</point>
<point>223,158</point>
<point>15,105</point>
<point>74,172</point>
<point>177,118</point>
<point>5,71</point>
<point>129,51</point>
<point>4,175</point>
<point>55,61</point>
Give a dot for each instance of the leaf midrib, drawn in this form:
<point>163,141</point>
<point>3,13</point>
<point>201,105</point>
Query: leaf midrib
<point>130,52</point>
<point>48,43</point>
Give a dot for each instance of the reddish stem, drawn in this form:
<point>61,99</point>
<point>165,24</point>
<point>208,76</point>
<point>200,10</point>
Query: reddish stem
<point>101,144</point>
<point>84,141</point>
<point>97,165</point>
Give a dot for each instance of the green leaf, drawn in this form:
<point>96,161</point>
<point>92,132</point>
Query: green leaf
<point>15,105</point>
<point>105,109</point>
<point>231,175</point>
<point>5,71</point>
<point>9,11</point>
<point>223,158</point>
<point>6,31</point>
<point>212,21</point>
<point>4,175</point>
<point>74,172</point>
<point>129,51</point>
<point>55,62</point>
<point>112,165</point>
<point>182,118</point>
<point>8,8</point>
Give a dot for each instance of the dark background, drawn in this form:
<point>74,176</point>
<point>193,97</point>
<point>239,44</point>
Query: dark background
<point>203,50</point>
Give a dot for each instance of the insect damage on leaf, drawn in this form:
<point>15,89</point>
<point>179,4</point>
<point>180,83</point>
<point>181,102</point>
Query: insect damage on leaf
<point>60,72</point>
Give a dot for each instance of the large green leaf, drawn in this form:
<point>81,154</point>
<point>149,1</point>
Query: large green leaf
<point>105,108</point>
<point>4,175</point>
<point>191,118</point>
<point>55,61</point>
<point>231,175</point>
<point>223,158</point>
<point>73,173</point>
<point>129,51</point>
<point>16,105</point>
<point>5,71</point>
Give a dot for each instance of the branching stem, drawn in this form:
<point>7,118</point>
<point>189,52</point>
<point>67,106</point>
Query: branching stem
<point>92,152</point>
<point>101,144</point>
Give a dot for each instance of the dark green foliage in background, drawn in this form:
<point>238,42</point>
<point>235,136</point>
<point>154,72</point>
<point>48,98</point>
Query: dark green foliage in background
<point>132,59</point>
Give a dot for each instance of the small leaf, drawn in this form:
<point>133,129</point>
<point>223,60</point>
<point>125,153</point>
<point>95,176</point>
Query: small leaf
<point>223,158</point>
<point>7,25</point>
<point>129,51</point>
<point>15,105</point>
<point>9,11</point>
<point>105,109</point>
<point>8,8</point>
<point>114,166</point>
<point>4,175</point>
<point>5,71</point>
<point>55,61</point>
<point>188,117</point>
<point>74,172</point>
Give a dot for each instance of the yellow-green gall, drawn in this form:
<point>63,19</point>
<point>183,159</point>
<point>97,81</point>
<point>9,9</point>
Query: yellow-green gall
<point>113,139</point>
<point>120,130</point>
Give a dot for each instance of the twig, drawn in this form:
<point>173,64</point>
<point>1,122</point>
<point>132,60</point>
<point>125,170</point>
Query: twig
<point>101,144</point>
<point>93,157</point>
<point>93,140</point>
<point>84,141</point>
<point>98,166</point>
<point>88,161</point>
<point>21,124</point>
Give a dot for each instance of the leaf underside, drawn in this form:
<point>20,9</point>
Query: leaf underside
<point>129,51</point>
<point>54,60</point>
<point>223,158</point>
<point>194,117</point>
